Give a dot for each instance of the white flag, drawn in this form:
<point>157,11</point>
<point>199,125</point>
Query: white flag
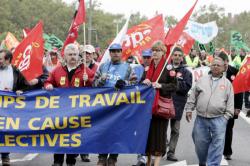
<point>118,39</point>
<point>203,33</point>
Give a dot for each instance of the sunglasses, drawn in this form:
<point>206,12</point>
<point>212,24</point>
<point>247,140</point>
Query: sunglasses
<point>178,55</point>
<point>156,50</point>
<point>114,51</point>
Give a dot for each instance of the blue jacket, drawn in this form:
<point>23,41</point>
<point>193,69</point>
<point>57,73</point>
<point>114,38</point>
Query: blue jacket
<point>184,84</point>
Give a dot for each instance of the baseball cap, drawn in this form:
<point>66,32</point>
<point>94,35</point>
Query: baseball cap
<point>115,46</point>
<point>89,48</point>
<point>147,52</point>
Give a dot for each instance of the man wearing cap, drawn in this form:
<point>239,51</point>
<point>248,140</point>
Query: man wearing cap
<point>118,74</point>
<point>89,51</point>
<point>146,57</point>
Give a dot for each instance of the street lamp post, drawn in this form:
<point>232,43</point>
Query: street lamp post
<point>117,22</point>
<point>90,22</point>
<point>96,36</point>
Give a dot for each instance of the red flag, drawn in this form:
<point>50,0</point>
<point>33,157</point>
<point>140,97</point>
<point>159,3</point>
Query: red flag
<point>175,33</point>
<point>28,55</point>
<point>186,42</point>
<point>241,82</point>
<point>142,36</point>
<point>78,19</point>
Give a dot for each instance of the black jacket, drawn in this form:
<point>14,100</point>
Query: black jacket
<point>184,84</point>
<point>238,98</point>
<point>20,82</point>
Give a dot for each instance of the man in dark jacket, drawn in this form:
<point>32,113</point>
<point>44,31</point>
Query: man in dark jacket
<point>11,79</point>
<point>231,72</point>
<point>184,84</point>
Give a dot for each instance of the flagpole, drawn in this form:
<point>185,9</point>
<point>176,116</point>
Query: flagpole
<point>84,53</point>
<point>166,62</point>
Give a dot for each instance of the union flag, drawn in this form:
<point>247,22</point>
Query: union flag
<point>28,55</point>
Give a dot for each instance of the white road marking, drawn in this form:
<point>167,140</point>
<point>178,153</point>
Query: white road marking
<point>184,163</point>
<point>28,157</point>
<point>243,116</point>
<point>180,163</point>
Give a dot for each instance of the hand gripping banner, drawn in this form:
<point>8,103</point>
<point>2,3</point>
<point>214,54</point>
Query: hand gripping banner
<point>79,120</point>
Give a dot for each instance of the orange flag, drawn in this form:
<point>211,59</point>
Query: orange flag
<point>11,41</point>
<point>241,82</point>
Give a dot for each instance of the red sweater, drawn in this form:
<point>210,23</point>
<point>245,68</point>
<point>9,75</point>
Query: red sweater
<point>59,77</point>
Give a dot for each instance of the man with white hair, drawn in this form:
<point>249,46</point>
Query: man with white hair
<point>69,75</point>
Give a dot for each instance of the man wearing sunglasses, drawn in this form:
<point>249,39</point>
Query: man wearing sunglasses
<point>117,74</point>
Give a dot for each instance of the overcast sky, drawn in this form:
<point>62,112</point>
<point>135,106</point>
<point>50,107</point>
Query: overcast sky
<point>168,7</point>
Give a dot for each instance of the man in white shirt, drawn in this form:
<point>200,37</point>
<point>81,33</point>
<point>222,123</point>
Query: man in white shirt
<point>10,80</point>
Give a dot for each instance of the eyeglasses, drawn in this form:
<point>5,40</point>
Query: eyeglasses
<point>114,51</point>
<point>216,65</point>
<point>178,55</point>
<point>156,50</point>
<point>146,57</point>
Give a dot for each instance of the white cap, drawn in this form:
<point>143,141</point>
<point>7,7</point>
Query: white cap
<point>89,48</point>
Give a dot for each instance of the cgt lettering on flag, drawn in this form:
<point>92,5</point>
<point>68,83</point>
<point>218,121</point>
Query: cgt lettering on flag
<point>28,55</point>
<point>25,63</point>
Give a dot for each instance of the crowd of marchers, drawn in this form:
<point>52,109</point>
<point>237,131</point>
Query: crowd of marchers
<point>212,97</point>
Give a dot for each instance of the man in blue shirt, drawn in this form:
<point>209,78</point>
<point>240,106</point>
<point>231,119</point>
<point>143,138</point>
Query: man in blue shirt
<point>117,74</point>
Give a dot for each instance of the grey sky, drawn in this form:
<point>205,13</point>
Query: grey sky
<point>168,7</point>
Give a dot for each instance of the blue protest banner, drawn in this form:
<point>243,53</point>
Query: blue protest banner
<point>79,120</point>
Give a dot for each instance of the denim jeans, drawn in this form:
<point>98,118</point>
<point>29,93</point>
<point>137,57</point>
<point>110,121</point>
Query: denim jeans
<point>209,138</point>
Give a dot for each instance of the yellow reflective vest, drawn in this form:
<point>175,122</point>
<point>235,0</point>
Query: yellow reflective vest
<point>192,63</point>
